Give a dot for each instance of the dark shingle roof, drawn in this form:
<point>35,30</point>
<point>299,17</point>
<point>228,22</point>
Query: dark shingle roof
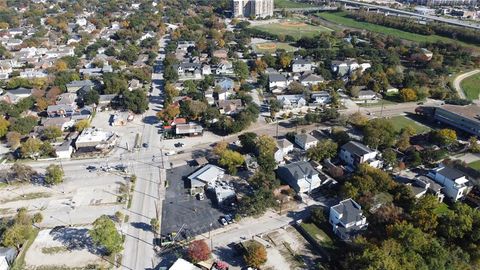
<point>276,77</point>
<point>305,138</point>
<point>356,148</point>
<point>299,169</point>
<point>450,173</point>
<point>349,210</point>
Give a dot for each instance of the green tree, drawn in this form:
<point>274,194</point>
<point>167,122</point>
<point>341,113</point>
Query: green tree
<point>408,94</point>
<point>51,133</point>
<point>24,125</point>
<point>91,97</point>
<point>54,174</point>
<point>4,124</point>
<point>154,224</point>
<point>82,124</point>
<point>248,141</point>
<point>114,83</point>
<point>324,149</point>
<point>135,101</point>
<point>16,235</point>
<point>231,159</point>
<point>389,156</point>
<point>424,215</point>
<point>474,146</point>
<point>130,54</point>
<point>241,70</point>
<point>379,133</point>
<point>30,148</point>
<point>264,180</point>
<point>37,218</point>
<point>255,254</point>
<point>106,235</point>
<point>444,136</point>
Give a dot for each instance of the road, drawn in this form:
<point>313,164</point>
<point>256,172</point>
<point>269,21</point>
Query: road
<point>458,80</point>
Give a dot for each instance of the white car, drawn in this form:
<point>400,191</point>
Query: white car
<point>170,153</point>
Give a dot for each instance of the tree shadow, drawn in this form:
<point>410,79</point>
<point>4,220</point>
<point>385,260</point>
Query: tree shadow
<point>76,239</point>
<point>230,256</point>
<point>151,120</point>
<point>142,225</point>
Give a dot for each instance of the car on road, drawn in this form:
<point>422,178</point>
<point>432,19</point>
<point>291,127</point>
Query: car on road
<point>229,219</point>
<point>91,168</point>
<point>145,145</point>
<point>179,144</point>
<point>170,153</point>
<point>223,221</point>
<point>201,196</point>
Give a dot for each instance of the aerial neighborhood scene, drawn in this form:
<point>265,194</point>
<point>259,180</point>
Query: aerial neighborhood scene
<point>239,134</point>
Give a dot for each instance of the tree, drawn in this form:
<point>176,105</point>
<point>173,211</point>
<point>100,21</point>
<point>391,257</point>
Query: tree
<point>24,125</point>
<point>389,156</point>
<point>324,149</point>
<point>16,235</point>
<point>474,146</point>
<point>37,218</point>
<point>82,124</point>
<point>241,70</point>
<point>51,133</point>
<point>114,83</point>
<point>135,101</point>
<point>285,60</point>
<point>30,148</point>
<point>195,108</point>
<point>255,254</point>
<point>106,235</point>
<point>42,104</point>
<point>4,124</point>
<point>424,214</point>
<point>54,174</point>
<point>155,225</point>
<point>264,180</point>
<point>198,251</point>
<point>444,136</point>
<point>21,172</point>
<point>231,159</point>
<point>408,94</point>
<point>317,215</point>
<point>170,74</point>
<point>379,133</point>
<point>248,141</point>
<point>169,113</point>
<point>91,97</point>
<point>404,140</point>
<point>260,65</point>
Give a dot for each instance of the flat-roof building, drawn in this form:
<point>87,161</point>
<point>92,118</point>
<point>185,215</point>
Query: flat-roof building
<point>466,118</point>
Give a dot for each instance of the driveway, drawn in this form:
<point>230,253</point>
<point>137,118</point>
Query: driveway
<point>458,80</point>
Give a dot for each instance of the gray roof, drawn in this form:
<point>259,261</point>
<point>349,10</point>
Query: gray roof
<point>350,211</point>
<point>301,61</point>
<point>366,93</point>
<point>311,78</point>
<point>356,148</point>
<point>284,143</point>
<point>305,138</point>
<point>297,170</point>
<point>20,91</point>
<point>80,83</point>
<point>450,173</point>
<point>276,77</point>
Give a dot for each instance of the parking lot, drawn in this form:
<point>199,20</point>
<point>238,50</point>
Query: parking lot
<point>181,209</point>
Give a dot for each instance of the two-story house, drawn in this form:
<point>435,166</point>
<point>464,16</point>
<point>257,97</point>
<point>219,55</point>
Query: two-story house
<point>289,102</point>
<point>355,153</point>
<point>283,148</point>
<point>454,182</point>
<point>305,141</point>
<point>302,65</point>
<point>347,219</point>
<point>300,176</point>
<point>277,80</point>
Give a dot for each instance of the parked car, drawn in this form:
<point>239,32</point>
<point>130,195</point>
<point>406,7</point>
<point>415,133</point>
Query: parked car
<point>201,196</point>
<point>223,221</point>
<point>145,145</point>
<point>229,219</point>
<point>170,153</point>
<point>91,168</point>
<point>179,144</point>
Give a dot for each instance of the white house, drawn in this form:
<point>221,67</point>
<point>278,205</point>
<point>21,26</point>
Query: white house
<point>283,148</point>
<point>64,150</point>
<point>311,79</point>
<point>305,141</point>
<point>347,219</point>
<point>321,98</point>
<point>300,176</point>
<point>355,153</point>
<point>454,182</point>
<point>7,257</point>
<point>301,65</point>
<point>367,95</point>
<point>292,101</point>
<point>277,80</point>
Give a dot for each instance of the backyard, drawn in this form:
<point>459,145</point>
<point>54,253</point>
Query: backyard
<point>471,86</point>
<point>400,122</point>
<point>342,19</point>
<point>318,234</point>
<point>294,28</point>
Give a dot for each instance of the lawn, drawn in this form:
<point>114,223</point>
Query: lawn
<point>341,19</point>
<point>400,122</point>
<point>271,47</point>
<point>320,236</point>
<point>471,86</point>
<point>289,4</point>
<point>475,165</point>
<point>294,28</point>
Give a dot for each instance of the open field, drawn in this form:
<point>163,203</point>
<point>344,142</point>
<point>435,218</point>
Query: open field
<point>271,47</point>
<point>400,122</point>
<point>341,19</point>
<point>320,236</point>
<point>471,86</point>
<point>289,4</point>
<point>296,29</point>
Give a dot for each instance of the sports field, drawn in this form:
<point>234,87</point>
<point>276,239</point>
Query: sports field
<point>341,19</point>
<point>296,29</point>
<point>271,47</point>
<point>471,86</point>
<point>400,122</point>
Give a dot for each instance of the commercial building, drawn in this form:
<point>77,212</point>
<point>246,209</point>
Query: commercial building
<point>466,118</point>
<point>252,8</point>
<point>92,139</point>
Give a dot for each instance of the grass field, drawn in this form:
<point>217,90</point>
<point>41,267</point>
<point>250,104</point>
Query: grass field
<point>296,29</point>
<point>475,165</point>
<point>320,236</point>
<point>471,86</point>
<point>341,19</point>
<point>289,4</point>
<point>271,47</point>
<point>400,122</point>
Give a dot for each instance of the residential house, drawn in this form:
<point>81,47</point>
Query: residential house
<point>190,129</point>
<point>300,176</point>
<point>134,84</point>
<point>321,98</point>
<point>62,110</point>
<point>181,264</point>
<point>220,54</point>
<point>225,86</point>
<point>67,99</point>
<point>302,65</point>
<point>209,97</point>
<point>106,100</point>
<point>355,153</point>
<point>15,95</point>
<point>366,96</point>
<point>75,86</point>
<point>189,71</point>
<point>277,80</point>
<point>64,150</point>
<point>310,79</point>
<point>284,147</point>
<point>422,185</point>
<point>230,106</point>
<point>454,182</point>
<point>348,66</point>
<point>224,68</point>
<point>204,177</point>
<point>185,45</point>
<point>33,74</point>
<point>223,193</point>
<point>347,219</point>
<point>63,123</point>
<point>305,140</point>
<point>289,102</point>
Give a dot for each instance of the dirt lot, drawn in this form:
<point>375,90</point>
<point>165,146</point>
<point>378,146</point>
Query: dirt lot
<point>51,247</point>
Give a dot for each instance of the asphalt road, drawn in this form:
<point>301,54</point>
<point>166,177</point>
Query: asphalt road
<point>458,80</point>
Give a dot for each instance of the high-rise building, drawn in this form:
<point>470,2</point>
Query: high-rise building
<point>252,8</point>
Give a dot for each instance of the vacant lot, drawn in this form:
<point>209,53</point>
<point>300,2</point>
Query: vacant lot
<point>294,28</point>
<point>471,86</point>
<point>400,122</point>
<point>341,19</point>
<point>271,47</point>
